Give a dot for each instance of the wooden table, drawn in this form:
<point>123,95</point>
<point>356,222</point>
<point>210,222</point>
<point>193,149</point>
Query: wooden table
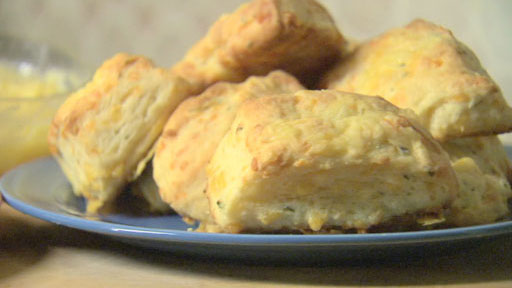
<point>34,253</point>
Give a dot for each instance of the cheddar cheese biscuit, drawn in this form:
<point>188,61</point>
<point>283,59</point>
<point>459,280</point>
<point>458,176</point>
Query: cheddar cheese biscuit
<point>484,172</point>
<point>425,68</point>
<point>298,36</point>
<point>192,134</point>
<point>321,160</point>
<point>102,136</point>
<point>144,187</point>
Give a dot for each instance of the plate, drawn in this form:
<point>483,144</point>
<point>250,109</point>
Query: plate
<point>40,189</point>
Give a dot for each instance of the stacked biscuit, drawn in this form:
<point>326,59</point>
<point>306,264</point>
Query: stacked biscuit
<point>423,67</point>
<point>402,136</point>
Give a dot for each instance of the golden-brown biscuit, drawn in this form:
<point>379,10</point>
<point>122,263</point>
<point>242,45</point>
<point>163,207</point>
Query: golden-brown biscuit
<point>103,134</point>
<point>298,36</point>
<point>192,134</point>
<point>320,160</point>
<point>482,168</point>
<point>423,67</point>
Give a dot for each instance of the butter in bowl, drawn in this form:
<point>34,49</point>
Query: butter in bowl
<point>34,81</point>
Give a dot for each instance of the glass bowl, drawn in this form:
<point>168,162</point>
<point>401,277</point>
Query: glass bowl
<point>34,81</point>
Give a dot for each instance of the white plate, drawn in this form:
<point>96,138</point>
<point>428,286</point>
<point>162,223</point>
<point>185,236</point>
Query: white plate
<point>40,189</point>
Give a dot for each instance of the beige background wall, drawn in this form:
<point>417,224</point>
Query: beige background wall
<point>93,30</point>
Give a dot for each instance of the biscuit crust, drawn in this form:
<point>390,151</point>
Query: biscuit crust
<point>102,136</point>
<point>320,160</point>
<point>423,67</point>
<point>262,36</point>
<point>194,131</point>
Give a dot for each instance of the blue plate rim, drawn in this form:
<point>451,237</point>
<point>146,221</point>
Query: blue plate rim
<point>192,237</point>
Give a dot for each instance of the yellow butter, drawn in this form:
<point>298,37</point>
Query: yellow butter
<point>26,110</point>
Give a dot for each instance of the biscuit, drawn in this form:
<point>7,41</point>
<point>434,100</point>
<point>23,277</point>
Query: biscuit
<point>425,68</point>
<point>483,171</point>
<point>102,136</point>
<point>192,134</point>
<point>321,160</point>
<point>144,187</point>
<point>298,36</point>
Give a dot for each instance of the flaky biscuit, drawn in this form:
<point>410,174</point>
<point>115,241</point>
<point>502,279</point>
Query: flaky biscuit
<point>425,68</point>
<point>192,134</point>
<point>103,134</point>
<point>298,36</point>
<point>484,172</point>
<point>320,160</point>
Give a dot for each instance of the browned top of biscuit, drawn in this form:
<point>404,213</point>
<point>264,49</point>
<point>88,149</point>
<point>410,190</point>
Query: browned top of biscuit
<point>298,36</point>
